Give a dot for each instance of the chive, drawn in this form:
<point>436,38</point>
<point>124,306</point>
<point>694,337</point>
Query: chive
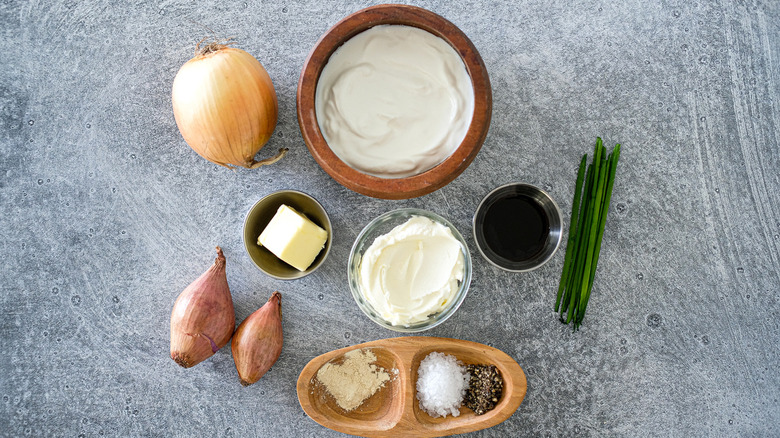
<point>592,224</point>
<point>597,250</point>
<point>613,160</point>
<point>570,300</point>
<point>586,231</point>
<point>571,245</point>
<point>598,194</point>
<point>585,217</point>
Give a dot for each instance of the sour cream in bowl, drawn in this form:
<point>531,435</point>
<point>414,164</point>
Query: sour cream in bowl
<point>409,270</point>
<point>394,101</point>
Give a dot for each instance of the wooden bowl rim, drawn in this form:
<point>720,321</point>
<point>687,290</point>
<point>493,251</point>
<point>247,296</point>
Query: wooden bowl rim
<point>422,183</point>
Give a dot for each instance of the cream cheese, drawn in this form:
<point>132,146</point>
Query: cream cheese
<point>394,101</point>
<point>412,272</point>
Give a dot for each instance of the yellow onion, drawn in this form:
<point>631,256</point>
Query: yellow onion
<point>202,319</point>
<point>225,106</point>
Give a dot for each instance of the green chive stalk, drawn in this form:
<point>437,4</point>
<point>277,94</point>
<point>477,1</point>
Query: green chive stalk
<point>570,299</point>
<point>586,231</point>
<point>582,246</point>
<point>571,246</point>
<point>613,157</point>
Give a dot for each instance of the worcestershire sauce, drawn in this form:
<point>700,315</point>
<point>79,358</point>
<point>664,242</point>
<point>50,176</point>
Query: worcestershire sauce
<point>516,228</point>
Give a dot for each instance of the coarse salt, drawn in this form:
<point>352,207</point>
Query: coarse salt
<point>441,384</point>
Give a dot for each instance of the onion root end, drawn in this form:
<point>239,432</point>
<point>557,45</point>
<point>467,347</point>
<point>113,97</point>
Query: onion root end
<point>255,164</point>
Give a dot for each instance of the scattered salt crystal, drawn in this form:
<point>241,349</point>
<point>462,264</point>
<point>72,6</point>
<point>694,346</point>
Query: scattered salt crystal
<point>441,384</point>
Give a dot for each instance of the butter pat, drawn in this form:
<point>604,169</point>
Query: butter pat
<point>293,238</point>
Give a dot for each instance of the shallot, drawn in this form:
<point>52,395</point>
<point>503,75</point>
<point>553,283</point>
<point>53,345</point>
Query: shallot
<point>202,320</point>
<point>258,340</point>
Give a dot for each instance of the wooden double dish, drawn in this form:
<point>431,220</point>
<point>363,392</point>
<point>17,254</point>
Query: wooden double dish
<point>394,411</point>
<point>416,185</point>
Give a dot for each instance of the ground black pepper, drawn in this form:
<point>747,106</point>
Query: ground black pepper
<point>485,388</point>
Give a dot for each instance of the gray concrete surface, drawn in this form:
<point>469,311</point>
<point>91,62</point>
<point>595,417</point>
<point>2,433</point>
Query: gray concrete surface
<point>107,215</point>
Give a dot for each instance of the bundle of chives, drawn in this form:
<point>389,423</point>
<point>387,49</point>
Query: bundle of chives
<point>588,219</point>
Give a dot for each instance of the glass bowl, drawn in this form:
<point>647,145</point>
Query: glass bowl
<point>383,224</point>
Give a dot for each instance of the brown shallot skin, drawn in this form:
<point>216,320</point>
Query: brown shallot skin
<point>258,340</point>
<point>203,319</point>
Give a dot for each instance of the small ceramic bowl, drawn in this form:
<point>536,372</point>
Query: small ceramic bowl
<point>422,183</point>
<point>261,214</point>
<point>382,225</point>
<point>544,204</point>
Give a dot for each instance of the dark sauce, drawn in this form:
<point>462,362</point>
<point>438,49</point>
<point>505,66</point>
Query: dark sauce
<point>515,228</point>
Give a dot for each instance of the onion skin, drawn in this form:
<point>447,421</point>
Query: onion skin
<point>202,319</point>
<point>258,341</point>
<point>225,106</point>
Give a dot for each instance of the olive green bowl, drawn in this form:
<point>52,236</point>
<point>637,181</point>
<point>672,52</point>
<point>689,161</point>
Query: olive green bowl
<point>261,214</point>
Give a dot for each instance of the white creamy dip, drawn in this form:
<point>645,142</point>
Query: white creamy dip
<point>412,272</point>
<point>394,101</point>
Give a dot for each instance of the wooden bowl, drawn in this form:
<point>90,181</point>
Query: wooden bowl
<point>422,183</point>
<point>394,410</point>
